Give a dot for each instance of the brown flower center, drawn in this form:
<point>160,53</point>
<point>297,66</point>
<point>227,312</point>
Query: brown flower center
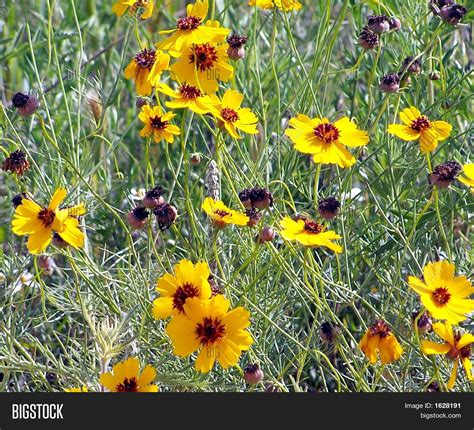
<point>128,385</point>
<point>379,328</point>
<point>182,293</point>
<point>313,227</point>
<point>420,124</point>
<point>441,296</point>
<point>189,92</point>
<point>189,23</point>
<point>205,56</point>
<point>158,123</point>
<point>146,58</point>
<point>210,331</point>
<point>327,132</point>
<point>46,216</point>
<point>229,115</point>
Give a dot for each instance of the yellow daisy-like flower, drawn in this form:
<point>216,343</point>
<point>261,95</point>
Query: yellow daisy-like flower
<point>468,178</point>
<point>190,280</point>
<point>284,5</point>
<point>208,326</point>
<point>379,339</point>
<point>76,390</point>
<point>143,8</point>
<point>417,126</point>
<point>231,116</point>
<point>157,124</point>
<point>443,294</point>
<point>187,96</point>
<point>221,215</point>
<point>309,233</point>
<point>40,222</point>
<point>146,69</point>
<point>126,377</point>
<point>325,140</point>
<point>203,66</point>
<point>456,347</point>
<point>191,29</point>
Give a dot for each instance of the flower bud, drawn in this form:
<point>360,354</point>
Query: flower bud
<point>378,23</point>
<point>25,105</point>
<point>153,198</point>
<point>329,208</point>
<point>46,263</point>
<point>253,374</point>
<point>390,83</point>
<point>137,218</point>
<point>395,23</point>
<point>434,76</point>
<point>267,235</point>
<point>425,323</point>
<point>236,49</point>
<point>195,158</point>
<point>433,388</point>
<point>368,39</point>
<point>140,102</point>
<point>166,215</point>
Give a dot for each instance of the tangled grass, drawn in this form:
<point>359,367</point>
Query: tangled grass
<point>64,327</point>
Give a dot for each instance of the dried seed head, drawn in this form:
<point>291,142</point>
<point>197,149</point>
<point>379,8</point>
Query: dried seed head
<point>212,181</point>
<point>46,263</point>
<point>329,208</point>
<point>254,217</point>
<point>236,53</point>
<point>328,332</point>
<point>215,289</point>
<point>137,218</point>
<point>452,14</point>
<point>411,65</point>
<point>16,163</point>
<point>140,102</point>
<point>433,387</point>
<point>253,374</point>
<point>236,49</point>
<point>378,23</point>
<point>444,174</point>
<point>390,83</point>
<point>26,105</point>
<point>153,198</point>
<point>434,76</point>
<point>95,105</point>
<point>368,39</point>
<point>166,215</point>
<point>259,198</point>
<point>244,197</point>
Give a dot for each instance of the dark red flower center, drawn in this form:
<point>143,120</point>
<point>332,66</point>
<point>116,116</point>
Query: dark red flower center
<point>189,23</point>
<point>210,330</point>
<point>379,328</point>
<point>189,92</point>
<point>229,115</point>
<point>222,213</point>
<point>46,216</point>
<point>158,123</point>
<point>204,56</point>
<point>146,58</point>
<point>182,293</point>
<point>441,296</point>
<point>128,385</point>
<point>313,227</point>
<point>327,132</point>
<point>454,353</point>
<point>420,124</point>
